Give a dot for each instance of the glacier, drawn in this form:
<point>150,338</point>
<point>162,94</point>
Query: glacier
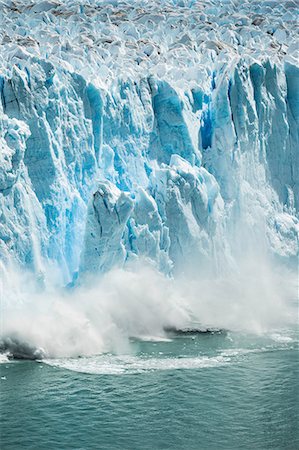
<point>160,132</point>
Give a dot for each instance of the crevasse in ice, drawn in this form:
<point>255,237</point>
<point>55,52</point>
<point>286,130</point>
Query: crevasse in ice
<point>159,130</point>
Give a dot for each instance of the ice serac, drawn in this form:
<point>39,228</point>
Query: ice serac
<point>147,131</point>
<point>107,217</point>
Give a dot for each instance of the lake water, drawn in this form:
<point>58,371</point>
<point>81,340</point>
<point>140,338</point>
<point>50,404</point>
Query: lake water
<point>206,391</point>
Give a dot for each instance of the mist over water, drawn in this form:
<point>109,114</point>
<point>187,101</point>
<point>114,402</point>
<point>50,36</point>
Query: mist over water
<point>102,314</point>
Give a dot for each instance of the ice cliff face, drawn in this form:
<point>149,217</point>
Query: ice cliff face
<point>167,132</point>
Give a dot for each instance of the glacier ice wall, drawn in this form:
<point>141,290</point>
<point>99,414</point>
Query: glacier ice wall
<point>167,133</point>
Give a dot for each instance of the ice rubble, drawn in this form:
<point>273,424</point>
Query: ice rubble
<point>163,130</point>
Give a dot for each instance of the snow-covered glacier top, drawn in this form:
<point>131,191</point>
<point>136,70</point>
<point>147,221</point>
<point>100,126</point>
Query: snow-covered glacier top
<point>179,39</point>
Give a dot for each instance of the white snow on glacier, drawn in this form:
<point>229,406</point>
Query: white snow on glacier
<point>164,132</point>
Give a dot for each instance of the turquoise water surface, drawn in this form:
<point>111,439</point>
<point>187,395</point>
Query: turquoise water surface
<point>218,391</point>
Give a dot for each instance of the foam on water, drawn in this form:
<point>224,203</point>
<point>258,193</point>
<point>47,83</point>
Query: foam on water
<point>113,365</point>
<point>148,338</point>
<point>162,355</point>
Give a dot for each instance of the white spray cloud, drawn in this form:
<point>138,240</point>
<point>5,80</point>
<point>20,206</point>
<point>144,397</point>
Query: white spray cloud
<point>102,314</point>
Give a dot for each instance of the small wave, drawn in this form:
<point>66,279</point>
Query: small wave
<point>113,365</point>
<point>235,352</point>
<point>281,338</point>
<point>240,351</point>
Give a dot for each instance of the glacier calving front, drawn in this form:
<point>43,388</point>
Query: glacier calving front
<point>148,132</point>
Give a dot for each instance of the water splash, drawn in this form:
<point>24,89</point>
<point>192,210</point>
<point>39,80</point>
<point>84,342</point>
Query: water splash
<point>103,314</point>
